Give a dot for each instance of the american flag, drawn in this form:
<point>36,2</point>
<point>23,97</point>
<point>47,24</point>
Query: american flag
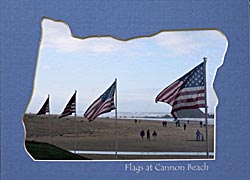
<point>105,103</point>
<point>70,107</point>
<point>188,92</point>
<point>45,108</point>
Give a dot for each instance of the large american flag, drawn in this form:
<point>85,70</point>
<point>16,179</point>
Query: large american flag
<point>70,107</point>
<point>45,108</point>
<point>188,92</point>
<point>105,103</point>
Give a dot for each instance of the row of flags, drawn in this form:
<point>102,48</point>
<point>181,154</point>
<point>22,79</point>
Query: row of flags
<point>188,92</point>
<point>105,103</point>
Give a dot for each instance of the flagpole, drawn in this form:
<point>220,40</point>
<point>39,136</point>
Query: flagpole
<point>205,85</point>
<point>49,121</point>
<point>75,123</point>
<point>116,119</point>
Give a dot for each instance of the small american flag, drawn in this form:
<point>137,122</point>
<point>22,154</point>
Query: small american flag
<point>45,108</point>
<point>104,104</point>
<point>188,92</point>
<point>70,107</point>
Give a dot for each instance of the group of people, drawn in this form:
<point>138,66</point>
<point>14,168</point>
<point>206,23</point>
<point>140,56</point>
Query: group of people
<point>178,124</point>
<point>199,135</point>
<point>164,123</point>
<point>142,134</point>
<point>137,121</point>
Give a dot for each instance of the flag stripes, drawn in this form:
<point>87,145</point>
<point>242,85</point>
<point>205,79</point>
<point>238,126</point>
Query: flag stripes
<point>188,92</point>
<point>45,108</point>
<point>169,93</point>
<point>70,107</point>
<point>100,108</point>
<point>104,104</point>
<point>189,100</point>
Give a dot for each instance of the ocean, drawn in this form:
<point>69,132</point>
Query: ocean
<point>156,116</point>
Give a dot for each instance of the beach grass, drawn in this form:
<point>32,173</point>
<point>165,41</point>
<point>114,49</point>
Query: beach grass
<point>46,151</point>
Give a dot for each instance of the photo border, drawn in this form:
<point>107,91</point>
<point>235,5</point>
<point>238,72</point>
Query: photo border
<point>124,19</point>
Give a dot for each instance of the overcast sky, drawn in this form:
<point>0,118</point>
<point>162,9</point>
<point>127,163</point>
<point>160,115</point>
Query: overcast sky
<point>142,66</point>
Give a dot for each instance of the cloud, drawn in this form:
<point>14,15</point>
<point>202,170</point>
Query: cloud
<point>57,35</point>
<point>178,43</point>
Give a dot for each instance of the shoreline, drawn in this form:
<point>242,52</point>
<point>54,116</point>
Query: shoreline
<point>141,118</point>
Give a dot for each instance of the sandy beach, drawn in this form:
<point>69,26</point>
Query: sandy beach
<point>99,135</point>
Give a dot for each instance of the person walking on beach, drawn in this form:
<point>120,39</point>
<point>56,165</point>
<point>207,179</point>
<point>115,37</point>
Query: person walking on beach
<point>148,135</point>
<point>198,135</point>
<point>201,124</point>
<point>142,133</point>
<point>202,137</point>
<point>185,126</point>
<point>154,135</point>
<point>164,123</point>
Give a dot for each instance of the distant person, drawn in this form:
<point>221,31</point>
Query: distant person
<point>135,120</point>
<point>202,138</point>
<point>198,135</point>
<point>154,135</point>
<point>188,121</point>
<point>142,133</point>
<point>185,126</point>
<point>179,124</point>
<point>176,122</point>
<point>164,123</point>
<point>148,135</point>
<point>201,124</point>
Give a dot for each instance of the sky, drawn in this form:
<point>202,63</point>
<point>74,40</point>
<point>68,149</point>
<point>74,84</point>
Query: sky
<point>143,67</point>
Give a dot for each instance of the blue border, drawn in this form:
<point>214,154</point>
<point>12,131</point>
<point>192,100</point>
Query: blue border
<point>20,35</point>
